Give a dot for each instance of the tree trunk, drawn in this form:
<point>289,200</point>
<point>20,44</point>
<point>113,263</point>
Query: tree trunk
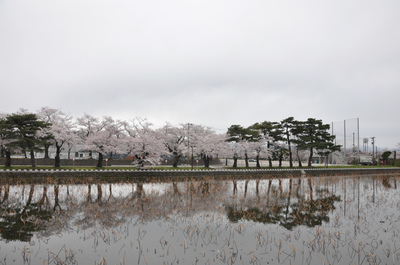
<point>175,188</point>
<point>46,151</point>
<point>288,201</point>
<point>270,161</point>
<point>290,157</point>
<point>89,194</point>
<point>33,160</point>
<point>290,149</point>
<point>235,159</point>
<point>258,162</point>
<point>311,189</point>
<point>100,161</point>
<point>246,158</point>
<point>44,198</point>
<point>298,158</point>
<point>56,199</point>
<point>257,189</point>
<point>6,193</point>
<point>176,159</point>
<point>310,157</point>
<point>139,189</point>
<point>57,157</point>
<point>205,188</point>
<point>245,188</point>
<point>99,193</point>
<point>206,160</point>
<point>269,156</point>
<point>8,158</point>
<point>30,197</point>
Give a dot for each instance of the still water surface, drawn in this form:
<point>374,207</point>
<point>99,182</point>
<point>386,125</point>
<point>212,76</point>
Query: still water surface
<point>318,220</point>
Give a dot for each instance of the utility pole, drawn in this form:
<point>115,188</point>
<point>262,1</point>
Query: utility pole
<point>344,149</point>
<point>373,149</point>
<point>188,124</point>
<point>358,140</point>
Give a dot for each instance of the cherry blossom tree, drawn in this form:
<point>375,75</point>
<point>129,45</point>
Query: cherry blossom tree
<point>246,148</point>
<point>100,136</point>
<point>280,151</point>
<point>260,149</point>
<point>173,138</point>
<point>207,143</point>
<point>236,138</point>
<point>144,143</point>
<point>62,130</point>
<point>233,150</point>
<point>48,115</point>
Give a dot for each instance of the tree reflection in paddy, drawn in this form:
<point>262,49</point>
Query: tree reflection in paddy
<point>287,221</point>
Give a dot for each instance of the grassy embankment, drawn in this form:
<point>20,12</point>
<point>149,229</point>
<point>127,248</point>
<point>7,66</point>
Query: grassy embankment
<point>172,168</point>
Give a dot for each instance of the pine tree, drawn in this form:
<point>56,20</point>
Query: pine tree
<point>314,135</point>
<point>26,133</point>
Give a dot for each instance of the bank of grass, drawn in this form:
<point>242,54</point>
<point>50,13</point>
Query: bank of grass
<point>315,167</point>
<point>101,168</point>
<point>52,168</point>
<point>131,168</point>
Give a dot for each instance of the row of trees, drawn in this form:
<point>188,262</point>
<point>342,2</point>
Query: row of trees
<point>30,132</point>
<point>33,132</point>
<point>279,140</point>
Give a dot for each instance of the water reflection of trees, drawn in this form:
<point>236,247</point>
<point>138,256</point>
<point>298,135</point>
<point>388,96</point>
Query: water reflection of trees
<point>278,207</point>
<point>19,222</point>
<point>52,208</point>
<point>95,204</point>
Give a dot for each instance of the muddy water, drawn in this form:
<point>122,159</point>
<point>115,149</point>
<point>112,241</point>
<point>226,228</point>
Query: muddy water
<point>318,220</point>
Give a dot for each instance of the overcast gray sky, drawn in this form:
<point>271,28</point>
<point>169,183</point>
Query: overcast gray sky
<point>215,63</point>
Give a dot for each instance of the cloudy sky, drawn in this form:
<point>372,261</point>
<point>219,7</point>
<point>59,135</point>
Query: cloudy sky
<point>215,63</point>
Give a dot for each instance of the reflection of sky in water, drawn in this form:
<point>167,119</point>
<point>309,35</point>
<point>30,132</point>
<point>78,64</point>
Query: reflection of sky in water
<point>287,221</point>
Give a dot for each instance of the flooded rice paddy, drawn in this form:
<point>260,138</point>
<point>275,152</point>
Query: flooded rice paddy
<point>307,220</point>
